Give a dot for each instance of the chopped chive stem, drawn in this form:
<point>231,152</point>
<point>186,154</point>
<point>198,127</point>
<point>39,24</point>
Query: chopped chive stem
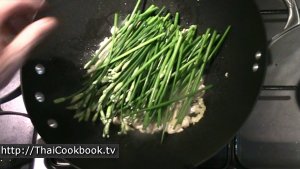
<point>135,48</point>
<point>147,68</point>
<point>176,99</point>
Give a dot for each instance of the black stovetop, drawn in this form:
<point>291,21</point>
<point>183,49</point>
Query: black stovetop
<point>269,139</point>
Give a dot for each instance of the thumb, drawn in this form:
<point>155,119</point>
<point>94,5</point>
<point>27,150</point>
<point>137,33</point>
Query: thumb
<point>14,54</point>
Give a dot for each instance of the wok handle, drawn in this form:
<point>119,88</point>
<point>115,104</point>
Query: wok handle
<point>292,22</point>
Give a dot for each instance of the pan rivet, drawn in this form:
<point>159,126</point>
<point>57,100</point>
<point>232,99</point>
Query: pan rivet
<point>255,67</point>
<point>40,69</point>
<point>258,55</point>
<point>52,123</point>
<point>226,74</point>
<point>39,97</point>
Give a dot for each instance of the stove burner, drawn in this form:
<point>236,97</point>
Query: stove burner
<point>55,163</point>
<point>12,90</point>
<point>15,130</point>
<point>17,92</point>
<point>13,163</point>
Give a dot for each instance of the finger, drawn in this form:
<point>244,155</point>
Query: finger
<point>31,36</point>
<point>13,56</point>
<point>11,7</point>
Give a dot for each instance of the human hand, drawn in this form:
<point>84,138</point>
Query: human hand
<point>19,35</point>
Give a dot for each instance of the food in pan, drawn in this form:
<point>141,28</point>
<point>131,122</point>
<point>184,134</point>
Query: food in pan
<point>148,75</point>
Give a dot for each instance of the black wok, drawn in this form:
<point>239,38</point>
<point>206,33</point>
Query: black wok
<point>55,70</point>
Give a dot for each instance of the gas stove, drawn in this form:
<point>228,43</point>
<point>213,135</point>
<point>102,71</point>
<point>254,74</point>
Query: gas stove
<point>269,139</point>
